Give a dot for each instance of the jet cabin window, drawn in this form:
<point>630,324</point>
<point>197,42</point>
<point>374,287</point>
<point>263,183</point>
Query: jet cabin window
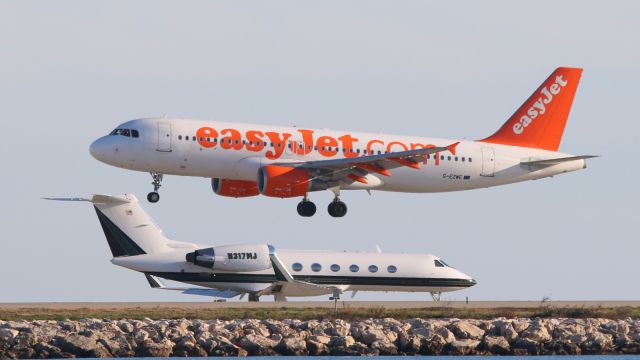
<point>296,267</point>
<point>392,269</point>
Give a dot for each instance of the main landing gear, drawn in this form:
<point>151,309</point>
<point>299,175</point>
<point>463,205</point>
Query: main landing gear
<point>336,208</point>
<point>306,208</point>
<point>154,197</point>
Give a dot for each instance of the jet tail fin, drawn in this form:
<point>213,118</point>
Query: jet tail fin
<point>539,123</point>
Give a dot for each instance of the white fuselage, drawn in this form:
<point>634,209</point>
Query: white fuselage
<point>236,151</point>
<point>393,272</point>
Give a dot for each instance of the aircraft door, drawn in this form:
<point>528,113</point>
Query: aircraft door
<point>164,137</point>
<point>488,162</point>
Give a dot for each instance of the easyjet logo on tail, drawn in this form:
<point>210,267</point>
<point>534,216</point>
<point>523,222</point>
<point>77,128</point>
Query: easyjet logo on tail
<point>539,107</point>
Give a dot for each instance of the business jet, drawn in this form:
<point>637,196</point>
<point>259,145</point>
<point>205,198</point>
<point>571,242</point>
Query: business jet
<point>228,271</point>
<point>247,160</point>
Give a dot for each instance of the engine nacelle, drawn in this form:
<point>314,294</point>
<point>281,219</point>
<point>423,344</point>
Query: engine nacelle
<point>283,181</point>
<point>237,258</point>
<point>234,188</point>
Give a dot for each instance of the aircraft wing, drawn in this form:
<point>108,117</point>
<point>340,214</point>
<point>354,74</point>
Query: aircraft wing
<point>555,161</point>
<point>285,283</point>
<point>354,169</point>
<point>156,283</point>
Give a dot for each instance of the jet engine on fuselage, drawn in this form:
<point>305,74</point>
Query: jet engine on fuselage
<point>240,258</point>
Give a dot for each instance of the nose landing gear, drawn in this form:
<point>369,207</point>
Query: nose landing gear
<point>154,197</point>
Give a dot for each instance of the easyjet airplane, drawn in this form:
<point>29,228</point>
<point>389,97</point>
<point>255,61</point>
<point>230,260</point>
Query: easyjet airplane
<point>231,270</point>
<point>247,159</point>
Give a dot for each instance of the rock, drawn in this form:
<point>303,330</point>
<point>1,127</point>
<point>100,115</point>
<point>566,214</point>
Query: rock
<point>446,334</point>
<point>525,346</point>
<point>320,339</point>
<point>409,344</point>
<point>118,346</point>
<point>292,346</point>
<point>433,346</point>
<point>463,347</point>
<point>70,326</point>
<point>465,330</point>
<point>140,336</point>
<point>341,341</point>
<point>125,326</point>
<point>46,351</point>
<point>536,332</point>
<point>316,348</point>
<point>369,336</point>
<point>384,347</point>
<point>257,345</point>
<point>520,325</point>
<point>497,345</point>
<point>82,346</point>
<point>151,349</point>
<point>7,335</point>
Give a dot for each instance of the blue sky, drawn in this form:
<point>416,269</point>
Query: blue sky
<point>70,71</point>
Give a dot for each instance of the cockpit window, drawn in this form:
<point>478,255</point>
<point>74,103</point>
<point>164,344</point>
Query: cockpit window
<point>438,263</point>
<point>126,132</point>
<point>445,264</point>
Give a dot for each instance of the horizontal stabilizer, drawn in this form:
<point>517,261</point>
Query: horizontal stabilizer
<point>555,161</point>
<point>156,283</point>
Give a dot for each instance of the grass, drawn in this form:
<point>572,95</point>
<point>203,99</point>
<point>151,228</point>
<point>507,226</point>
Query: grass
<point>163,312</point>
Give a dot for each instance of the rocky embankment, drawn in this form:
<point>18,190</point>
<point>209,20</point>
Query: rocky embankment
<point>161,338</point>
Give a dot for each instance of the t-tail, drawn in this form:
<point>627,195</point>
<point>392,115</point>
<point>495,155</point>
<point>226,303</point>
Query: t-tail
<point>128,229</point>
<point>540,121</point>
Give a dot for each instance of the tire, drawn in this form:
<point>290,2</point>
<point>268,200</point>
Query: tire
<point>153,197</point>
<point>306,208</point>
<point>339,209</point>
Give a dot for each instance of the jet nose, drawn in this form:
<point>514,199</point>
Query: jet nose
<point>98,149</point>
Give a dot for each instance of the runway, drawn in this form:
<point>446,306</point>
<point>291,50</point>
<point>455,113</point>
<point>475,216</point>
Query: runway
<point>317,304</point>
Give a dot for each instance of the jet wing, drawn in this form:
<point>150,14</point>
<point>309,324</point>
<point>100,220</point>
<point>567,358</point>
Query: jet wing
<point>555,161</point>
<point>156,283</point>
<point>354,169</point>
<point>285,283</point>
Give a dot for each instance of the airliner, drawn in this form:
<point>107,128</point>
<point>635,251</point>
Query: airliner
<point>227,271</point>
<point>245,160</point>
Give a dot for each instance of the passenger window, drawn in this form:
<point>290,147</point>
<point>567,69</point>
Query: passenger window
<point>456,158</point>
<point>354,268</point>
<point>335,267</point>
<point>438,263</point>
<point>201,138</point>
<point>441,157</point>
<point>392,269</point>
<point>449,158</point>
<point>135,133</point>
<point>463,159</point>
<point>373,268</point>
<point>296,267</point>
<point>315,267</point>
<point>469,159</point>
<point>193,138</point>
<point>179,137</point>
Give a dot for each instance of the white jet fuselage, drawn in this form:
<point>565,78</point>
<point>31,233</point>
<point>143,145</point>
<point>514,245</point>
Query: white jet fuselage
<point>181,147</point>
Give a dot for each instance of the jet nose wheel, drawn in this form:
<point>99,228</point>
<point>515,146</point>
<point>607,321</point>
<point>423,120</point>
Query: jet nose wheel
<point>306,208</point>
<point>153,197</point>
<point>337,208</point>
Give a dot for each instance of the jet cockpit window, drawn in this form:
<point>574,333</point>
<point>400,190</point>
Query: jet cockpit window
<point>445,264</point>
<point>438,263</point>
<point>125,132</point>
<point>135,133</point>
<point>116,132</point>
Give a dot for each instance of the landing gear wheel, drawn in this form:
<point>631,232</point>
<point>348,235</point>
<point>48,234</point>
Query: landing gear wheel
<point>306,208</point>
<point>337,208</point>
<point>153,197</point>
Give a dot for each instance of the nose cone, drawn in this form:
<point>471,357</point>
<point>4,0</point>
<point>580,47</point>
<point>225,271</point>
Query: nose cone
<point>98,149</point>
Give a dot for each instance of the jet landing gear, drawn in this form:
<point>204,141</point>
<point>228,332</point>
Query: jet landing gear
<point>306,208</point>
<point>337,208</point>
<point>154,197</point>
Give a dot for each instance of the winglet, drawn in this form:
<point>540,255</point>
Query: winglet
<point>452,147</point>
<point>282,274</point>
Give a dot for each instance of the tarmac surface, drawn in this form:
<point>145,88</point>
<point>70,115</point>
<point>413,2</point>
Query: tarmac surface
<point>316,304</point>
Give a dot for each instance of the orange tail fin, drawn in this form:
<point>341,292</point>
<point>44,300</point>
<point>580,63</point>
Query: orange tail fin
<point>539,122</point>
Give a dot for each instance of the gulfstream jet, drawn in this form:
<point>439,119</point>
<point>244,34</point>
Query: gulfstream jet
<point>290,162</point>
<point>228,271</point>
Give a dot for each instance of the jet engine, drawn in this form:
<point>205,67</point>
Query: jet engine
<point>237,258</point>
<point>234,188</point>
<point>283,181</point>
